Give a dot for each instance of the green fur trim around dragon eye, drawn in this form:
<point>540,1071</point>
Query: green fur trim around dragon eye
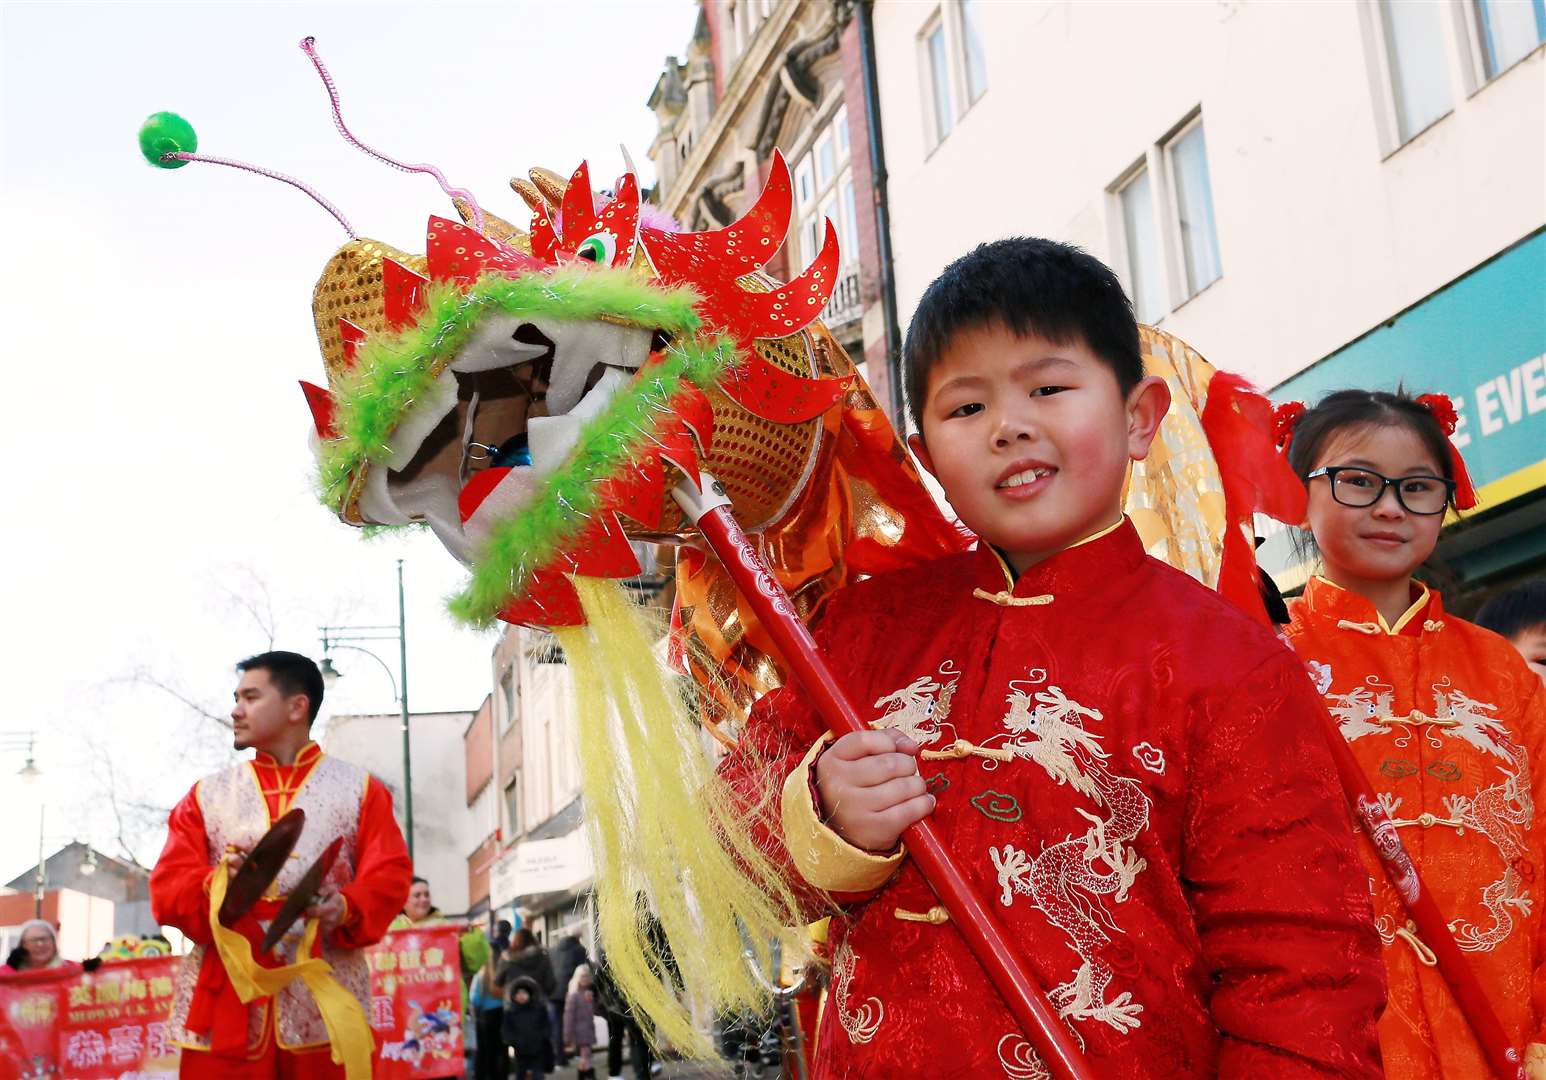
<point>392,372</point>
<point>568,497</point>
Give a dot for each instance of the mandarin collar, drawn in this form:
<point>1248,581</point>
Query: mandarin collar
<point>1080,568</point>
<point>306,755</point>
<point>1328,600</point>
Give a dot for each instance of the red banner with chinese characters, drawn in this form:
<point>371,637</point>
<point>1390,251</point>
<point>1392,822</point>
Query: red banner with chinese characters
<point>110,1024</point>
<point>416,1003</point>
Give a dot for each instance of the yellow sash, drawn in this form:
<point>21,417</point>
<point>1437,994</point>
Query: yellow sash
<point>348,1030</point>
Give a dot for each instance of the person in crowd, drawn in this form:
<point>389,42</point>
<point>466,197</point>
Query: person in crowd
<point>1137,765</point>
<point>419,912</point>
<point>526,958</point>
<point>1446,719</point>
<point>568,955</point>
<point>1519,615</point>
<point>501,940</point>
<point>289,1032</point>
<point>528,1029</point>
<point>579,1031</point>
<point>622,1025</point>
<point>37,950</point>
<point>419,909</point>
<point>491,1061</point>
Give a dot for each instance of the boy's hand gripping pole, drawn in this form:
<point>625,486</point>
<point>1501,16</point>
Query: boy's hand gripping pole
<point>1502,1056</point>
<point>709,509</point>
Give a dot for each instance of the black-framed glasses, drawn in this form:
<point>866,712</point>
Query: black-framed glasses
<point>1352,486</point>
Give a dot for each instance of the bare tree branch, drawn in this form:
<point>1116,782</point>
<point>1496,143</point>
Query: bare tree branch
<point>260,607</point>
<point>144,677</point>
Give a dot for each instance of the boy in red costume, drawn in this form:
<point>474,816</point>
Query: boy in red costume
<point>285,1034</point>
<point>1124,763</point>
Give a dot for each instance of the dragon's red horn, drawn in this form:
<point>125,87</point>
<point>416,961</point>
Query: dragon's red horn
<point>579,207</point>
<point>792,307</point>
<point>403,291</point>
<point>352,335</point>
<point>321,403</point>
<point>620,219</point>
<point>735,250</point>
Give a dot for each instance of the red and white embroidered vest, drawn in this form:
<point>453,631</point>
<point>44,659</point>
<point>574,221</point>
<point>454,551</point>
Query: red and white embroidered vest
<point>235,812</point>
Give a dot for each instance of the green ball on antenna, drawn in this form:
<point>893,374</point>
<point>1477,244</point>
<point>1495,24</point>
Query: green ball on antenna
<point>167,133</point>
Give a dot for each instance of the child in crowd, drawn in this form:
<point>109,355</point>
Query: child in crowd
<point>527,1030</point>
<point>1127,767</point>
<point>580,1020</point>
<point>1520,616</point>
<point>1444,717</point>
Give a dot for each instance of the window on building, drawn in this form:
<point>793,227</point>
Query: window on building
<point>1509,30</point>
<point>507,695</point>
<point>971,48</point>
<point>824,189</point>
<point>1144,260</point>
<point>937,73</point>
<point>1419,70</point>
<point>1188,155</point>
<point>513,807</point>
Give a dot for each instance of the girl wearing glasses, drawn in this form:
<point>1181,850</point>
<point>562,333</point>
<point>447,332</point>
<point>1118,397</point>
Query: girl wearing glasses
<point>1444,716</point>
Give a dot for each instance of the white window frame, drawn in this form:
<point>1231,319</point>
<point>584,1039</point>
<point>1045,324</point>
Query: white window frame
<point>1468,32</point>
<point>933,136</point>
<point>959,18</point>
<point>1156,161</point>
<point>1464,78</point>
<point>809,227</point>
<point>1180,287</point>
<point>1125,267</point>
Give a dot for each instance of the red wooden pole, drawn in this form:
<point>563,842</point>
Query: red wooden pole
<point>710,510</point>
<point>1502,1056</point>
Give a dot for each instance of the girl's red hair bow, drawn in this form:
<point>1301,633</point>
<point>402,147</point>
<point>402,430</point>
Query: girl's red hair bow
<point>1284,417</point>
<point>1442,409</point>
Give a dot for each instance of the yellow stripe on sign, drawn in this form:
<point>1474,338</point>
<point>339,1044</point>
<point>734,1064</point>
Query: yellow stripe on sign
<point>1517,483</point>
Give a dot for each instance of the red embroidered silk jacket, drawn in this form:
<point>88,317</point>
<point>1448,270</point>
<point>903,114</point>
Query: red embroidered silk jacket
<point>1146,800</point>
<point>1447,722</point>
<point>179,892</point>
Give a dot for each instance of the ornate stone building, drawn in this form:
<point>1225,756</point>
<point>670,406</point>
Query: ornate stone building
<point>760,74</point>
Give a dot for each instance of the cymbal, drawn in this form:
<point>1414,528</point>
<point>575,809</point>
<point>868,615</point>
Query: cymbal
<point>261,866</point>
<point>302,895</point>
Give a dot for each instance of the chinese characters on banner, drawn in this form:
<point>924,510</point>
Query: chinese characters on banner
<point>111,1024</point>
<point>416,1004</point>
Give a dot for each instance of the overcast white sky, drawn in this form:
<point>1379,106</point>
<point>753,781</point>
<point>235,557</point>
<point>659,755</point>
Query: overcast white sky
<point>154,458</point>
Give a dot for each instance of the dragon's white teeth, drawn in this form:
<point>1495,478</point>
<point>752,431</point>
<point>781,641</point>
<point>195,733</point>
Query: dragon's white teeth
<point>580,347</point>
<point>552,437</point>
<point>422,419</point>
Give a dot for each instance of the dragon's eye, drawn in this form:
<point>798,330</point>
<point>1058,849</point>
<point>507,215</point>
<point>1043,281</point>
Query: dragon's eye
<point>598,248</point>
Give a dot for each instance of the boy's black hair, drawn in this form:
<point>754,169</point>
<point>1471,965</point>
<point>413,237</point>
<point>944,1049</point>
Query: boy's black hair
<point>1517,611</point>
<point>1030,286</point>
<point>291,673</point>
<point>1356,408</point>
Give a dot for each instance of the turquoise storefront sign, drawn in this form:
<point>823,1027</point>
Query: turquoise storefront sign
<point>1482,341</point>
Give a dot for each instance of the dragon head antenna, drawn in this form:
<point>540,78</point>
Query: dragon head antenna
<point>309,47</point>
<point>169,142</point>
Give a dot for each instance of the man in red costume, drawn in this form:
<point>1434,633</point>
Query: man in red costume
<point>288,1032</point>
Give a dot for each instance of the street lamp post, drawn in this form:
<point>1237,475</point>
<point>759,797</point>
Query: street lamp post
<point>16,740</point>
<point>343,637</point>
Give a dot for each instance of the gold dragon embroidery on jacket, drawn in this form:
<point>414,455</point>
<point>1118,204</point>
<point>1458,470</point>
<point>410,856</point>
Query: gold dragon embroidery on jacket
<point>1500,813</point>
<point>1066,881</point>
<point>919,709</point>
<point>861,1023</point>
